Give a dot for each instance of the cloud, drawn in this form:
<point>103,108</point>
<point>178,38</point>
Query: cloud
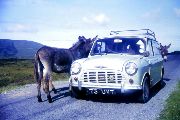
<point>99,19</point>
<point>177,12</point>
<point>152,15</point>
<point>18,27</point>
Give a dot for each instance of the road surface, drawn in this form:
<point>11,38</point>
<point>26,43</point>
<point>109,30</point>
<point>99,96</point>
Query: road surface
<point>22,102</point>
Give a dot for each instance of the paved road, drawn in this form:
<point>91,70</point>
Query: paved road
<point>22,103</point>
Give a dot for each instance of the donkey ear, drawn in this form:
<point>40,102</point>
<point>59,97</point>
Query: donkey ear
<point>94,38</point>
<point>161,45</point>
<point>80,37</point>
<point>83,39</point>
<point>168,45</point>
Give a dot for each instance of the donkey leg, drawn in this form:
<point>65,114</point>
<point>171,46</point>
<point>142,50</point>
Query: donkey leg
<point>48,92</point>
<point>46,78</point>
<point>49,98</point>
<point>46,87</point>
<point>51,85</point>
<point>53,88</point>
<point>39,92</point>
<point>38,76</point>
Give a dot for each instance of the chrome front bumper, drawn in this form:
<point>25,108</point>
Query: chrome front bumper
<point>123,88</point>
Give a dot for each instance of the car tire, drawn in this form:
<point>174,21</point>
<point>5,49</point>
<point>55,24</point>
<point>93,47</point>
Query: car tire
<point>145,94</point>
<point>162,76</point>
<point>75,93</point>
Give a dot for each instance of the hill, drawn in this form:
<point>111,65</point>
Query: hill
<point>174,53</point>
<point>20,49</point>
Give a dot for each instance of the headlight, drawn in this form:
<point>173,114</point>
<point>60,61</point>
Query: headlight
<point>75,68</point>
<point>131,68</point>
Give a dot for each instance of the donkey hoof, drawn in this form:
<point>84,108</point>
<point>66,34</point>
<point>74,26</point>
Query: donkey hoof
<point>39,99</point>
<point>54,90</point>
<point>49,99</point>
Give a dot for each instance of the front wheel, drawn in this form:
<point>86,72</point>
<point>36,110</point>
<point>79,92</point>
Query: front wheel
<point>145,95</point>
<point>161,80</point>
<point>75,93</point>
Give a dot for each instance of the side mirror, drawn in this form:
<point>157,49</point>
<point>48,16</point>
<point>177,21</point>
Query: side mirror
<point>146,53</point>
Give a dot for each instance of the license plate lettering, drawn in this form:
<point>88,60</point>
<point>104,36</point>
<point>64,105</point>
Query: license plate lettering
<point>93,91</point>
<point>107,91</point>
<point>101,91</point>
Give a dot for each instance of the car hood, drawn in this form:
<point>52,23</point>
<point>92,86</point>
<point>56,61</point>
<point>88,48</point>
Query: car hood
<point>108,61</point>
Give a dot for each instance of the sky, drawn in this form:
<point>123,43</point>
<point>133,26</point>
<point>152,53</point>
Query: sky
<point>58,23</point>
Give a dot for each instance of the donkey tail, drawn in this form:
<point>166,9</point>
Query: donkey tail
<point>38,68</point>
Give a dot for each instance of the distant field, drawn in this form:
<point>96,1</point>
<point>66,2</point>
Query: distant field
<point>15,73</point>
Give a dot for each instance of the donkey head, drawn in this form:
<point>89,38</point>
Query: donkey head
<point>82,47</point>
<point>164,49</point>
<point>78,48</point>
<point>85,48</point>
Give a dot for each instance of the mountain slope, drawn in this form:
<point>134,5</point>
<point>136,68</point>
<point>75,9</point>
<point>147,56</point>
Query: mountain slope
<point>21,49</point>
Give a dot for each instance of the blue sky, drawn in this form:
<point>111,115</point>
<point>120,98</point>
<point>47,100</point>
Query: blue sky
<point>59,22</point>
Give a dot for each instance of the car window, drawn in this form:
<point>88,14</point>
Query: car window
<point>149,47</point>
<point>100,47</point>
<point>141,46</point>
<point>156,48</point>
<point>121,45</point>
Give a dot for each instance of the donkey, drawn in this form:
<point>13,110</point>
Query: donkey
<point>164,51</point>
<point>49,59</point>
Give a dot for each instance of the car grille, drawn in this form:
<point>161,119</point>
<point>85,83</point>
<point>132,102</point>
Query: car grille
<point>102,77</point>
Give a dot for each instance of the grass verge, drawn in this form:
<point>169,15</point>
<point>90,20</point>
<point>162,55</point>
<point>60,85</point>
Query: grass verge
<point>172,108</point>
<point>14,73</point>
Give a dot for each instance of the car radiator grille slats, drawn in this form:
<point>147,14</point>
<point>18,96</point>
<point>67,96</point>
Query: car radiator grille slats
<point>102,77</point>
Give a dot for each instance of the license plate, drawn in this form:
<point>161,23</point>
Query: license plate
<point>96,91</point>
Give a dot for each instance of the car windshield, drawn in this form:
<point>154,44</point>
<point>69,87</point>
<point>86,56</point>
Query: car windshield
<point>133,46</point>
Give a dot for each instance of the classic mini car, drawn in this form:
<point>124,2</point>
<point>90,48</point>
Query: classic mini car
<point>122,63</point>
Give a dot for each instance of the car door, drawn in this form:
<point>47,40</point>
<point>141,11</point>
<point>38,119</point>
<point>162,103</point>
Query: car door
<point>151,60</point>
<point>155,62</point>
<point>158,62</point>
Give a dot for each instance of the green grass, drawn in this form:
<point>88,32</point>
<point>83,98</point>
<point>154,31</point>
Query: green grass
<point>14,73</point>
<point>172,108</point>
